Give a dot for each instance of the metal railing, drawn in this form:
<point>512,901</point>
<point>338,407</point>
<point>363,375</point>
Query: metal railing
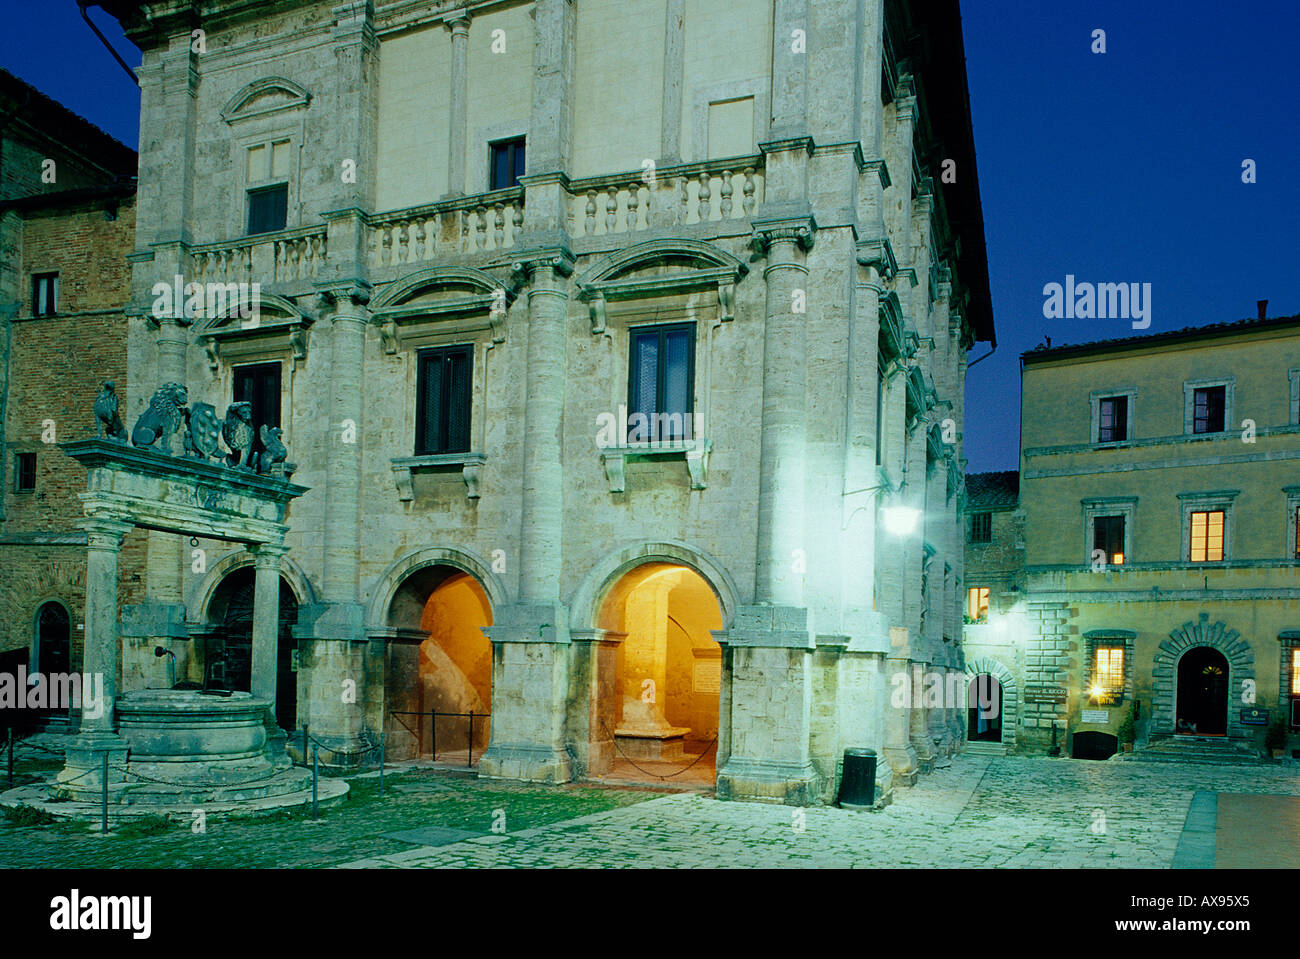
<point>433,729</point>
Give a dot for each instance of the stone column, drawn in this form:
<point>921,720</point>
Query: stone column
<point>81,774</point>
<point>457,22</point>
<point>103,545</point>
<point>335,654</point>
<point>771,642</point>
<point>898,745</point>
<point>781,470</point>
<point>266,639</point>
<point>531,637</point>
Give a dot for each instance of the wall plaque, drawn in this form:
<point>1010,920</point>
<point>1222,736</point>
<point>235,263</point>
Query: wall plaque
<point>1042,693</point>
<point>1099,716</point>
<point>707,676</point>
<point>1254,716</point>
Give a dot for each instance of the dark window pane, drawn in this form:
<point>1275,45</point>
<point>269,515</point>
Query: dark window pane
<point>507,164</point>
<point>661,382</point>
<point>1113,419</point>
<point>981,527</point>
<point>645,373</point>
<point>45,294</point>
<point>677,383</point>
<point>259,385</point>
<point>1108,536</point>
<point>443,402</point>
<point>1208,413</point>
<point>458,402</point>
<point>268,209</point>
<point>25,472</point>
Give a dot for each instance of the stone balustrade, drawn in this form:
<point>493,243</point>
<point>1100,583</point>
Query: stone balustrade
<point>479,224</point>
<point>710,192</point>
<point>289,256</point>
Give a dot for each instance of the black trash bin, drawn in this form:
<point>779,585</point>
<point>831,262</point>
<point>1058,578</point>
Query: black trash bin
<point>858,784</point>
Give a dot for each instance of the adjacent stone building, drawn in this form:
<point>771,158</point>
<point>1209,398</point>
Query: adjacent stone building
<point>67,224</point>
<point>1158,591</point>
<point>622,345</point>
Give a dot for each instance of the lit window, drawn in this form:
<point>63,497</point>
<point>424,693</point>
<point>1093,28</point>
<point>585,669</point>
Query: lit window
<point>1207,536</point>
<point>1108,674</point>
<point>977,603</point>
<point>1295,671</point>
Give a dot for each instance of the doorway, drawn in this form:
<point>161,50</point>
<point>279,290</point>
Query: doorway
<point>1202,699</point>
<point>984,713</point>
<point>230,655</point>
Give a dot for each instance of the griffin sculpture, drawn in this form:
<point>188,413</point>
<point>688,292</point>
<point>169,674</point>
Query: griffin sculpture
<point>274,452</point>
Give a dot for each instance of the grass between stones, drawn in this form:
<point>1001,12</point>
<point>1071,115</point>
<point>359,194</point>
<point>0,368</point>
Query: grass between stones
<point>355,829</point>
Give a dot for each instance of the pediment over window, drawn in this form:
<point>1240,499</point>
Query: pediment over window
<point>277,327</point>
<point>660,268</point>
<point>265,96</point>
<point>472,298</point>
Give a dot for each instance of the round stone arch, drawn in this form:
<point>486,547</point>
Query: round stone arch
<point>987,665</point>
<point>1164,670</point>
<point>293,574</point>
<point>390,581</point>
<point>584,605</point>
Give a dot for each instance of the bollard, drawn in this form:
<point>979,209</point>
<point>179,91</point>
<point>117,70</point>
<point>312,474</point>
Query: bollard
<point>304,744</point>
<point>383,752</point>
<point>469,763</point>
<point>103,793</point>
<point>315,776</point>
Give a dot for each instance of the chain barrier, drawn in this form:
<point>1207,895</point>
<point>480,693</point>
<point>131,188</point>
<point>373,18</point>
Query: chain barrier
<point>647,772</point>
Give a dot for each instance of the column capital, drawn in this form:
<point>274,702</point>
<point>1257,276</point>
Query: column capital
<point>267,555</point>
<point>558,259</point>
<point>799,230</point>
<point>340,296</point>
<point>105,532</point>
<point>457,22</point>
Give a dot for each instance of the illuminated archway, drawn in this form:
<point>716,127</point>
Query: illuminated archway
<point>660,691</point>
<point>439,661</point>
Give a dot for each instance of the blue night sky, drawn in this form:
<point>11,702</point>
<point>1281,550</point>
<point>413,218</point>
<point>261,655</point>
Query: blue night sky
<point>1115,167</point>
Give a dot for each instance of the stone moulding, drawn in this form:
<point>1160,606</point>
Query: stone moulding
<point>471,465</point>
<point>696,453</point>
<point>1164,671</point>
<point>607,280</point>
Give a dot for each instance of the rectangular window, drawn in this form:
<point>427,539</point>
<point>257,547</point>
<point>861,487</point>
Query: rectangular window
<point>1108,674</point>
<point>25,472</point>
<point>1207,536</point>
<point>661,383</point>
<point>977,604</point>
<point>259,385</point>
<point>1208,404</point>
<point>443,401</point>
<point>1295,670</point>
<point>1296,545</point>
<point>1112,421</point>
<point>507,163</point>
<point>1108,536</point>
<point>45,294</point>
<point>268,209</point>
<point>981,528</point>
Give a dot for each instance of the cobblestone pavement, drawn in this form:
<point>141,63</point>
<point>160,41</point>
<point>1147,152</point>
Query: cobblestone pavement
<point>980,812</point>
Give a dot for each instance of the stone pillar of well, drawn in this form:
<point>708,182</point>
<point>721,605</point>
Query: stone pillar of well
<point>771,641</point>
<point>530,638</point>
<point>266,639</point>
<point>334,651</point>
<point>82,773</point>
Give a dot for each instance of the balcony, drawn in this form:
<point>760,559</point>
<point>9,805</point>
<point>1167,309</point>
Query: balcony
<point>701,200</point>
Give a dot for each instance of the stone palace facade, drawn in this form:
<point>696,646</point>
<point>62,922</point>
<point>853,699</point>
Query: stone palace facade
<point>617,341</point>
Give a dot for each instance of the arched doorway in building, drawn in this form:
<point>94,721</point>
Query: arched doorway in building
<point>52,651</point>
<point>984,709</point>
<point>228,658</point>
<point>660,689</point>
<point>438,667</point>
<point>1202,701</point>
